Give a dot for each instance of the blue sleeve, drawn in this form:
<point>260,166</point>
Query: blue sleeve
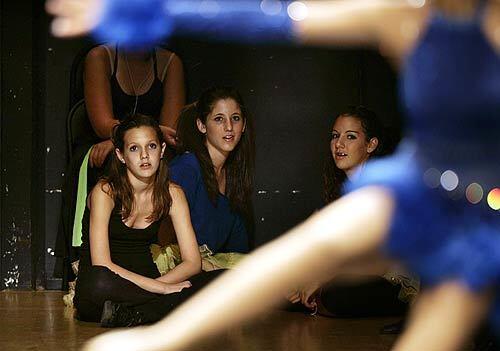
<point>238,239</point>
<point>239,21</point>
<point>187,178</point>
<point>143,23</point>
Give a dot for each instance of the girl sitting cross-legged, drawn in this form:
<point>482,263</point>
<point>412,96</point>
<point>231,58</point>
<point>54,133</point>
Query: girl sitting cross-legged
<point>121,221</point>
<point>215,170</point>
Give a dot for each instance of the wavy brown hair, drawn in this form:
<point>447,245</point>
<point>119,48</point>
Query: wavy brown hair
<point>239,166</point>
<point>120,188</point>
<point>333,177</point>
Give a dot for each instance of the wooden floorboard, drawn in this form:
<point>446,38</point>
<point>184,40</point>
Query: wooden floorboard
<point>40,321</point>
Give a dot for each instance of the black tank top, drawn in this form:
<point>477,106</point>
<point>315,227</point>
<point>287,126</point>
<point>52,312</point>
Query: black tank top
<point>149,103</point>
<point>129,247</point>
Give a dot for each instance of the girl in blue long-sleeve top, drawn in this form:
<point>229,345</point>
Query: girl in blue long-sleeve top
<point>215,170</point>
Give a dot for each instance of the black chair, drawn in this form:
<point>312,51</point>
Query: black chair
<point>78,128</point>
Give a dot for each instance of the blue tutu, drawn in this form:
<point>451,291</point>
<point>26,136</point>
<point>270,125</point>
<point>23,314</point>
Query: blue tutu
<point>445,183</point>
<point>439,236</point>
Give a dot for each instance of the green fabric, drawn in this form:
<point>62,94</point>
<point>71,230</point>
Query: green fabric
<point>81,201</point>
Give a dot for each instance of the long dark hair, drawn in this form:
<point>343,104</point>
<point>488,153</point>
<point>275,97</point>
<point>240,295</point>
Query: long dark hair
<point>120,188</point>
<point>239,166</point>
<point>333,177</point>
<point>188,134</point>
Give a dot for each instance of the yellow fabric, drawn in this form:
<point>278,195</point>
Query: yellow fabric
<point>167,257</point>
<point>410,284</point>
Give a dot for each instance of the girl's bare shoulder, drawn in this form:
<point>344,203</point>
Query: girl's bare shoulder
<point>175,191</point>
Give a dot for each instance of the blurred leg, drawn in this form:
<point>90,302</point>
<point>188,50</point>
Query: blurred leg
<point>443,318</point>
<point>354,226</point>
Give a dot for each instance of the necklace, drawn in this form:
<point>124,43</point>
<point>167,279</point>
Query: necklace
<point>134,89</point>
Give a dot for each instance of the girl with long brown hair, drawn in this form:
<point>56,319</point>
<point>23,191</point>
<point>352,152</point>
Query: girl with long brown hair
<point>215,168</point>
<point>121,220</point>
<point>357,135</point>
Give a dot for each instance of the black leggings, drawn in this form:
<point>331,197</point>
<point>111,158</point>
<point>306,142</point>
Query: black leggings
<point>97,284</point>
<point>376,297</point>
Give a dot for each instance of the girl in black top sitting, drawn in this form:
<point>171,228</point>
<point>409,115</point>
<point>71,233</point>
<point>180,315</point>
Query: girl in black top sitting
<point>121,220</point>
<point>356,136</point>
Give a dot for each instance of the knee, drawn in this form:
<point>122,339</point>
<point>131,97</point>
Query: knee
<point>99,282</point>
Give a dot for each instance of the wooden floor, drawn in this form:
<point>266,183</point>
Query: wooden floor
<point>39,321</point>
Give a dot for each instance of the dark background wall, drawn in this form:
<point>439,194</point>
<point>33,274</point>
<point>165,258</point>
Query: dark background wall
<point>17,127</point>
<point>292,93</point>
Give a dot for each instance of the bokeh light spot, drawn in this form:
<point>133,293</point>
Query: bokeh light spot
<point>297,11</point>
<point>474,193</point>
<point>417,3</point>
<point>209,8</point>
<point>449,180</point>
<point>271,7</point>
<point>431,178</point>
<point>494,199</point>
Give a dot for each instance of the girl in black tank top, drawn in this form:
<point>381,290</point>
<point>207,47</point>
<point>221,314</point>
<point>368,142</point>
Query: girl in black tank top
<point>122,220</point>
<point>149,103</point>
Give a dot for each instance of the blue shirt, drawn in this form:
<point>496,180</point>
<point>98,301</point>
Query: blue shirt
<point>217,226</point>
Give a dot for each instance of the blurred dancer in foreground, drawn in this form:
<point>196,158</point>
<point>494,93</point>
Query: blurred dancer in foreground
<point>434,205</point>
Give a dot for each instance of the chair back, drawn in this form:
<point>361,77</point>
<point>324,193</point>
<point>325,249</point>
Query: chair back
<point>78,128</point>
